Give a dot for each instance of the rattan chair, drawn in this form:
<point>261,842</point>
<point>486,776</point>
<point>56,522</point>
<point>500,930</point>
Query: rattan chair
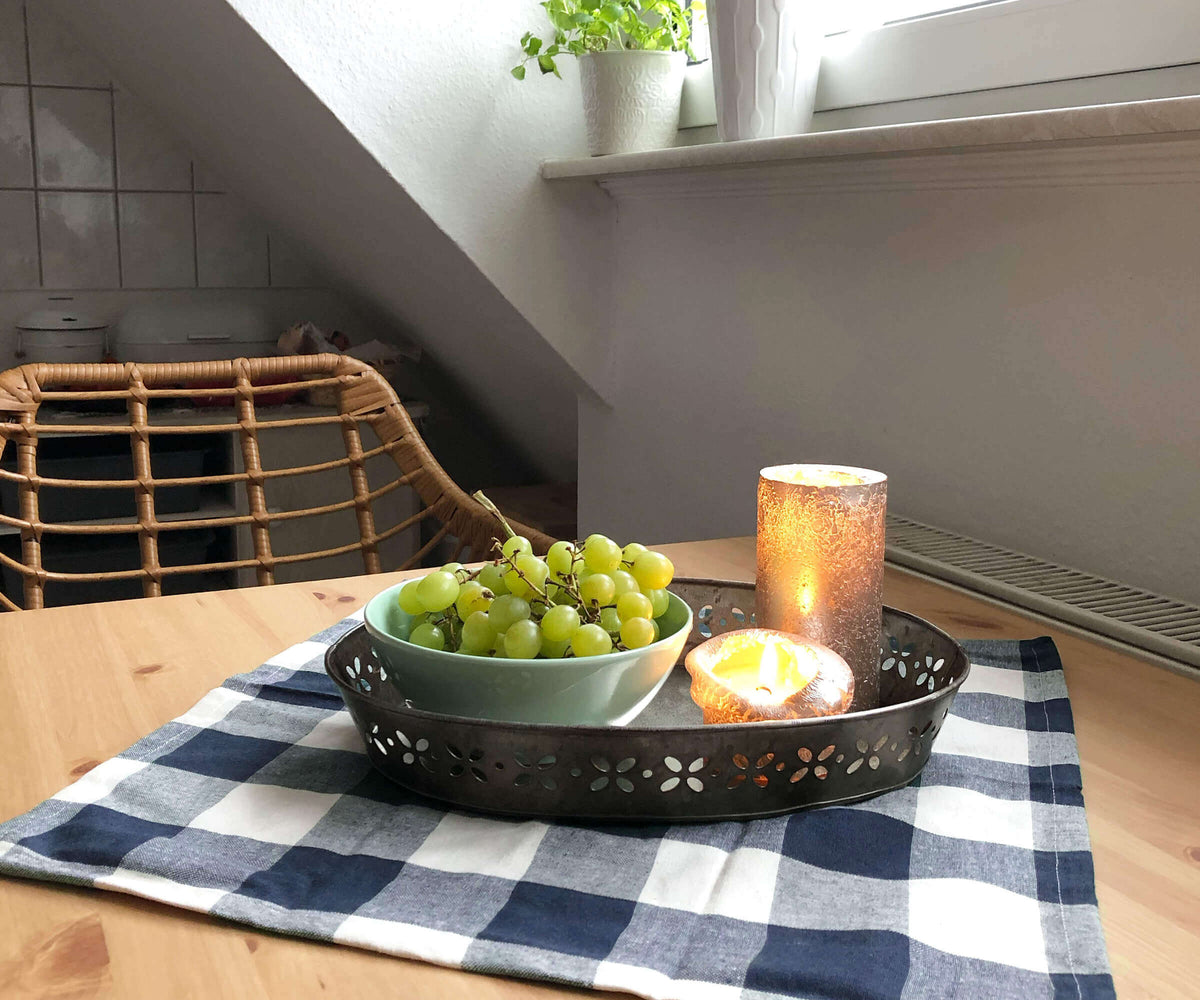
<point>457,525</point>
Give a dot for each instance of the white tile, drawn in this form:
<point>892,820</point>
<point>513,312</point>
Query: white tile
<point>979,739</point>
<point>291,267</point>
<point>231,244</point>
<point>269,813</point>
<point>977,920</point>
<point>74,138</point>
<point>394,938</point>
<point>100,780</point>
<point>165,890</point>
<point>969,815</point>
<point>79,240</point>
<point>18,248</point>
<point>57,54</point>
<point>157,249</point>
<point>338,732</point>
<point>149,157</point>
<point>206,178</point>
<point>212,708</point>
<point>12,42</point>
<point>703,879</point>
<point>16,148</point>
<point>495,847</point>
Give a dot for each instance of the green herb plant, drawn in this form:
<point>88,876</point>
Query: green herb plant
<point>583,26</point>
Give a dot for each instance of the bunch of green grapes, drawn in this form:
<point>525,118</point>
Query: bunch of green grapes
<point>580,600</point>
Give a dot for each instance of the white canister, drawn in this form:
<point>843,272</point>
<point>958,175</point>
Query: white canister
<point>766,56</point>
<point>52,336</point>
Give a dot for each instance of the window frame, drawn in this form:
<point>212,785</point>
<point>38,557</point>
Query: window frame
<point>1010,43</point>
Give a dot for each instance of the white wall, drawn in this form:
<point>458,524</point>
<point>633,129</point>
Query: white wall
<point>390,139</point>
<point>1023,364</point>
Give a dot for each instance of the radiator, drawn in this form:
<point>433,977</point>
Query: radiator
<point>1150,624</point>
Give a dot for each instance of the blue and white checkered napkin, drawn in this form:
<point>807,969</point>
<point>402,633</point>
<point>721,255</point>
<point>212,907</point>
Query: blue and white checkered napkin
<point>259,805</point>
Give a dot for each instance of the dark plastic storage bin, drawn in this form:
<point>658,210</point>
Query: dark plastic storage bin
<point>109,553</point>
<point>88,458</point>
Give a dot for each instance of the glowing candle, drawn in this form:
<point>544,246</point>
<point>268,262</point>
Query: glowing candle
<point>820,562</point>
<point>754,675</point>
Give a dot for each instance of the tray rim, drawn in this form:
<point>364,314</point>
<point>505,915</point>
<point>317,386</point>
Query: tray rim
<point>578,731</point>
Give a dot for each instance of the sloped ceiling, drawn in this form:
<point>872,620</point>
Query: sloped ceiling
<point>393,144</point>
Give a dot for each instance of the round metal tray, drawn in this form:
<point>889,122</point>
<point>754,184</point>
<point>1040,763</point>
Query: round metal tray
<point>665,765</point>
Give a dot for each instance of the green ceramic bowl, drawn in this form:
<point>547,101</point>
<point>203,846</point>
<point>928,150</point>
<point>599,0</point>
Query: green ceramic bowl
<point>607,690</point>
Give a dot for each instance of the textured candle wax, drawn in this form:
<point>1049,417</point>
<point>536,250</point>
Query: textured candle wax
<point>756,675</point>
<point>820,562</point>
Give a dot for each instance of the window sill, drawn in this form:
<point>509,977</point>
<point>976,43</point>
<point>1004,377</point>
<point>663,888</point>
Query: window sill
<point>1080,141</point>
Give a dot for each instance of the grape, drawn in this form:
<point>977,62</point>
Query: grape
<point>478,633</point>
<point>534,572</point>
<point>597,590</point>
<point>590,640</point>
<point>631,552</point>
<point>492,577</point>
<point>653,570</point>
<point>437,591</point>
<point>507,609</point>
<point>515,546</point>
<point>624,582</point>
<point>601,554</point>
<point>522,606</point>
<point>560,558</point>
<point>552,650</point>
<point>472,597</point>
<point>408,600</point>
<point>523,640</point>
<point>429,636</point>
<point>638,632</point>
<point>634,605</point>
<point>560,623</point>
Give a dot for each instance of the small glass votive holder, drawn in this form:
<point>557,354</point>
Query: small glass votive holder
<point>761,675</point>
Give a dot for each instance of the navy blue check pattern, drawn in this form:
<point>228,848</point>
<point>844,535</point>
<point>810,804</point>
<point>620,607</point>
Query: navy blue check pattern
<point>259,806</point>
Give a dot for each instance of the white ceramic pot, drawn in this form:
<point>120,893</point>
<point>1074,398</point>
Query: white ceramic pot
<point>631,99</point>
<point>766,55</point>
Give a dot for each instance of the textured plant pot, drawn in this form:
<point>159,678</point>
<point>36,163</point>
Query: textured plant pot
<point>766,55</point>
<point>631,99</point>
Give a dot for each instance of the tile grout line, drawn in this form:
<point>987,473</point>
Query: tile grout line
<point>33,149</point>
<point>112,110</point>
<point>195,238</point>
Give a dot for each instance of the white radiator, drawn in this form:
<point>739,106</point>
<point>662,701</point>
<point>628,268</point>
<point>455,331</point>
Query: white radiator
<point>1165,629</point>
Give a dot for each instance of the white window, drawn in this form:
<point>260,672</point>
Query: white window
<point>911,60</point>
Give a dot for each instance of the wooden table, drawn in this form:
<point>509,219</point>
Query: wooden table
<point>137,664</point>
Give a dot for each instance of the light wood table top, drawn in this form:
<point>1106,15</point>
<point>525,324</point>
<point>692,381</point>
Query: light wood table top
<point>137,664</point>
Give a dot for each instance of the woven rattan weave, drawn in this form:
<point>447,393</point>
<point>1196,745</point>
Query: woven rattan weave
<point>358,394</point>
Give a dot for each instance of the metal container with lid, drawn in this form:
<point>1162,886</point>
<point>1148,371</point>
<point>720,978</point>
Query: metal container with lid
<point>53,335</point>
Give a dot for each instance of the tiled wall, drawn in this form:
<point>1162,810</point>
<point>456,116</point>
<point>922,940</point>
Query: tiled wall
<point>96,194</point>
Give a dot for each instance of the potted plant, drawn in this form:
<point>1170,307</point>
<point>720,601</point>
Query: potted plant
<point>632,55</point>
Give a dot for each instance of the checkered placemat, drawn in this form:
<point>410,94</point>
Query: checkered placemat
<point>259,805</point>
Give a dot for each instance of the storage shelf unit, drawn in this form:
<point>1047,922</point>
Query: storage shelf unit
<point>71,455</point>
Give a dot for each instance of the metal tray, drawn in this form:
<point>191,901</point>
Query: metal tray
<point>665,765</point>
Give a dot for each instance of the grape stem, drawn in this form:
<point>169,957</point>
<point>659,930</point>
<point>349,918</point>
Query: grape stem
<point>487,504</point>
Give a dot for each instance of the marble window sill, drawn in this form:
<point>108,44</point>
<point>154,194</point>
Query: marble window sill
<point>1105,124</point>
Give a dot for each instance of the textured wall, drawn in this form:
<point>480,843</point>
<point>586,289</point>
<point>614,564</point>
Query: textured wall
<point>391,140</point>
<point>1023,364</point>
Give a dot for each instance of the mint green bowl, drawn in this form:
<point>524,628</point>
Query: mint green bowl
<point>607,690</point>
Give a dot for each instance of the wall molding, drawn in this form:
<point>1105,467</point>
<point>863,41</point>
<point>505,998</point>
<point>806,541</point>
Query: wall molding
<point>1174,160</point>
